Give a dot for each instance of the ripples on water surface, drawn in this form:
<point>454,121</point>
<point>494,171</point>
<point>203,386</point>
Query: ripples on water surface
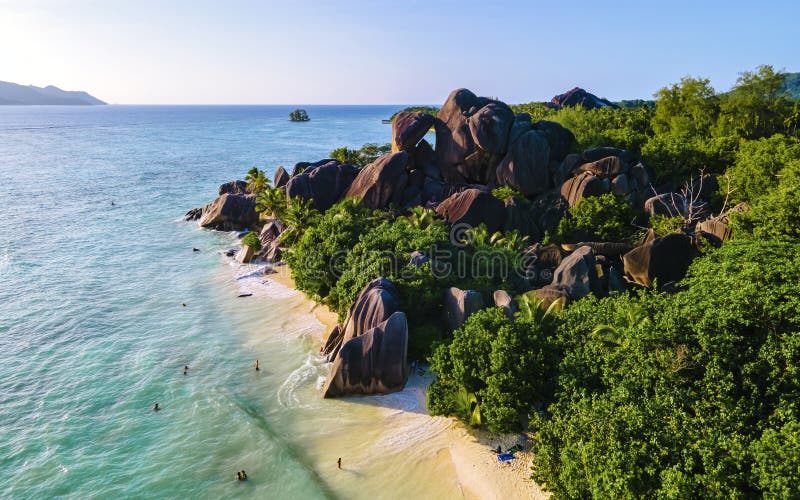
<point>92,331</point>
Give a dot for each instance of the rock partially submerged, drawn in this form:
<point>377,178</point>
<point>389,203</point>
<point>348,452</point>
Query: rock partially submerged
<point>230,212</point>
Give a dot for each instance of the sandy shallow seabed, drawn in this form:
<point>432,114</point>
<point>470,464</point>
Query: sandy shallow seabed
<point>466,453</point>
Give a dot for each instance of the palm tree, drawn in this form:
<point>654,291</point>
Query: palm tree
<point>530,308</point>
<point>256,180</point>
<point>467,407</point>
<point>421,217</point>
<point>299,214</point>
<point>271,202</point>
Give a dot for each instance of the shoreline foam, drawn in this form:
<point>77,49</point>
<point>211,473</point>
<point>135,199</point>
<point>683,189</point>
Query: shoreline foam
<point>468,453</point>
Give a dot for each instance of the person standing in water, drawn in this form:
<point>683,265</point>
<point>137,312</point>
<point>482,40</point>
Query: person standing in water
<point>155,407</point>
<point>185,369</point>
<point>255,365</point>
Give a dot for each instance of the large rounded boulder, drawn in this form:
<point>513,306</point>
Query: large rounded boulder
<point>408,128</point>
<point>323,184</point>
<point>664,260</point>
<point>372,363</point>
<point>559,138</point>
<point>471,137</point>
<point>281,177</point>
<point>473,207</point>
<point>460,305</point>
<point>230,212</point>
<point>374,304</point>
<point>582,186</point>
<point>577,274</point>
<point>525,167</point>
<point>381,182</point>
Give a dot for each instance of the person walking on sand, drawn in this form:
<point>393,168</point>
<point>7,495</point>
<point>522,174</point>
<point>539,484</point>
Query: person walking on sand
<point>339,462</point>
<point>255,365</point>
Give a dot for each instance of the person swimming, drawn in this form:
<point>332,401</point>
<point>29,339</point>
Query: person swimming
<point>155,407</point>
<point>185,369</point>
<point>255,365</point>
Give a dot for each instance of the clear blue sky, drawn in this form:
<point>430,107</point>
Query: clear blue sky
<point>371,52</point>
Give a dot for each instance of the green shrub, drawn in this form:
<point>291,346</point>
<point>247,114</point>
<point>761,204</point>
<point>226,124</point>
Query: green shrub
<point>317,257</point>
<point>271,202</point>
<point>758,163</point>
<point>506,364</point>
<point>251,240</point>
<point>775,214</point>
<point>664,224</point>
<point>359,157</point>
<point>504,192</point>
<point>662,395</point>
<point>385,250</point>
<point>606,217</point>
<point>257,180</point>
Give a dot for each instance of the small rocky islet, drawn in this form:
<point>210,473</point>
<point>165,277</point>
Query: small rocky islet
<point>481,144</point>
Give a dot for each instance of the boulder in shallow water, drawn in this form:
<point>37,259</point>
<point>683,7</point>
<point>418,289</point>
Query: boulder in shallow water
<point>230,212</point>
<point>233,187</point>
<point>372,363</point>
<point>245,254</point>
<point>193,214</point>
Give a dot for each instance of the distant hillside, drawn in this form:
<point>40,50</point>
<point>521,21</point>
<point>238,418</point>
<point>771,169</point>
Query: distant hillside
<point>792,85</point>
<point>12,93</point>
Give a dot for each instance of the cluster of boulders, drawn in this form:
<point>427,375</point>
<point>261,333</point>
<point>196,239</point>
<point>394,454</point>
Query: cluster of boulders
<point>481,144</point>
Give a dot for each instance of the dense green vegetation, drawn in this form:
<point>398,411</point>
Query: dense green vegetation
<point>670,396</point>
<point>604,218</point>
<point>431,110</point>
<point>691,126</point>
<point>646,394</point>
<point>251,240</point>
<point>359,157</point>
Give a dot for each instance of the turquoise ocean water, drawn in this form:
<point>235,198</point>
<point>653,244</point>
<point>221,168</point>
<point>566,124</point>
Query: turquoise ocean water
<point>93,331</point>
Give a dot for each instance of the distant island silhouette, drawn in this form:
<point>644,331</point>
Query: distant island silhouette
<point>15,94</point>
